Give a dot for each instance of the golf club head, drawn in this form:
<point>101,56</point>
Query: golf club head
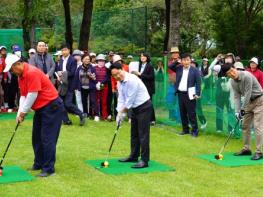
<point>1,170</point>
<point>217,157</point>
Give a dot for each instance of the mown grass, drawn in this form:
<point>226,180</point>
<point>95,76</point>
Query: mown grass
<point>193,176</point>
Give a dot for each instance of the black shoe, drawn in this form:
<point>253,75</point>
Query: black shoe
<point>128,159</point>
<point>67,122</point>
<point>45,174</point>
<point>243,152</point>
<point>140,164</point>
<point>82,120</point>
<point>184,133</point>
<point>257,156</point>
<point>194,134</point>
<point>33,168</point>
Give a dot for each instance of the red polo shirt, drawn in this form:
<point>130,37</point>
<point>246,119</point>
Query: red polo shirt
<point>34,80</point>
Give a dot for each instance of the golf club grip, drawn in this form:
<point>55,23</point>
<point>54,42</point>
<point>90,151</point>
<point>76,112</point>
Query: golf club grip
<point>2,160</point>
<point>112,141</point>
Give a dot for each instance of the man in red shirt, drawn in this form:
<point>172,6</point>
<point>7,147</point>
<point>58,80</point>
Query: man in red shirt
<point>37,92</point>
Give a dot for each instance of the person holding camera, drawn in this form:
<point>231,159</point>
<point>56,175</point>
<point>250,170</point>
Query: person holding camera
<point>251,111</point>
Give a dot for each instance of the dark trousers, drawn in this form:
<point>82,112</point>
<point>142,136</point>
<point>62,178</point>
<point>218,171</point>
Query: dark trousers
<point>70,107</point>
<point>109,101</point>
<point>140,131</point>
<point>46,127</point>
<point>187,111</point>
<point>153,119</point>
<point>91,94</point>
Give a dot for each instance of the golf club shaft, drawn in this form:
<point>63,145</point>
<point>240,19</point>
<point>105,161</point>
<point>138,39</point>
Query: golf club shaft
<point>115,134</point>
<point>228,138</point>
<point>2,160</point>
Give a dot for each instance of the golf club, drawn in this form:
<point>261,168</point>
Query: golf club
<point>2,160</point>
<point>106,163</point>
<point>219,156</point>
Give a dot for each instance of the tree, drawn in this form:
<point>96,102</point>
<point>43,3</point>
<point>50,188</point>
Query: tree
<point>85,25</point>
<point>237,26</point>
<point>167,24</point>
<point>28,24</point>
<point>68,33</point>
<point>174,28</point>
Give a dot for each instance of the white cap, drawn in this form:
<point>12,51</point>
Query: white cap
<point>130,56</point>
<point>100,57</point>
<point>116,58</point>
<point>32,50</point>
<point>255,60</point>
<point>77,52</point>
<point>3,47</point>
<point>205,59</point>
<point>58,53</point>
<point>10,60</point>
<point>239,65</point>
<point>92,54</point>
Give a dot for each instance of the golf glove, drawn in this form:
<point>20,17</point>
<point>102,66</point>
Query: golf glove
<point>240,115</point>
<point>120,118</point>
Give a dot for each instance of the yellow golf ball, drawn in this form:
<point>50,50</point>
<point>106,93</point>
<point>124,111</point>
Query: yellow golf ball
<point>106,163</point>
<point>221,156</point>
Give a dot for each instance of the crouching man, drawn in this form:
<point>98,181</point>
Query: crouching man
<point>251,110</point>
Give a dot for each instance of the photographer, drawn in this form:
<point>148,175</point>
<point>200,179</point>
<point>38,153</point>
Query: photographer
<point>222,92</point>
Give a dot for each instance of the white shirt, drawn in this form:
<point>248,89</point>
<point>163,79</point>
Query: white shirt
<point>65,61</point>
<point>183,83</point>
<point>132,92</point>
<point>142,68</point>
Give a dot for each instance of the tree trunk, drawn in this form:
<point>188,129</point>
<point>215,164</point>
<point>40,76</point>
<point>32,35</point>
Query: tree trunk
<point>85,25</point>
<point>68,33</point>
<point>28,23</point>
<point>167,24</point>
<point>174,29</point>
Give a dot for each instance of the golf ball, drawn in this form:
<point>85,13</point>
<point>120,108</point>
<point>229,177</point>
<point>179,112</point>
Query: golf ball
<point>106,163</point>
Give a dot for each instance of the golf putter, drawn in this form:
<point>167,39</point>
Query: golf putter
<point>105,163</point>
<point>2,160</point>
<point>219,156</point>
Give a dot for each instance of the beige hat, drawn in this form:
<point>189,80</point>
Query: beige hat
<point>239,66</point>
<point>10,60</point>
<point>32,50</point>
<point>174,50</point>
<point>116,58</point>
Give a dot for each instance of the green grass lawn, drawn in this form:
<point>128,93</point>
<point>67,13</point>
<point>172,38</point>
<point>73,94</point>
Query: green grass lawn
<point>193,176</point>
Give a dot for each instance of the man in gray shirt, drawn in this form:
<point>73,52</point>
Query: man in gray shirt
<point>251,110</point>
<point>44,61</point>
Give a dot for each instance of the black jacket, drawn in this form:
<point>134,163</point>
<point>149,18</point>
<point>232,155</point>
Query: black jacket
<point>148,78</point>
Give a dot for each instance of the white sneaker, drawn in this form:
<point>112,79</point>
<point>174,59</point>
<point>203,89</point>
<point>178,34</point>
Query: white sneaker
<point>96,119</point>
<point>9,110</point>
<point>203,126</point>
<point>109,117</point>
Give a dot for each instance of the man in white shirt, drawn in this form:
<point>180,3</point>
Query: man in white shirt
<point>187,86</point>
<point>134,95</point>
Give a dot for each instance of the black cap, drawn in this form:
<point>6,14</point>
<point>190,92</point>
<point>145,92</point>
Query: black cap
<point>226,67</point>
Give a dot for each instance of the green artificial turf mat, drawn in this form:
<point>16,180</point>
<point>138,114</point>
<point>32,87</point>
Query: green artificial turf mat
<point>230,160</point>
<point>116,167</point>
<point>10,116</point>
<point>13,174</point>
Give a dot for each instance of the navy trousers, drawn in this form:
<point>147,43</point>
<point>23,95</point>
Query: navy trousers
<point>187,112</point>
<point>46,127</point>
<point>70,107</point>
